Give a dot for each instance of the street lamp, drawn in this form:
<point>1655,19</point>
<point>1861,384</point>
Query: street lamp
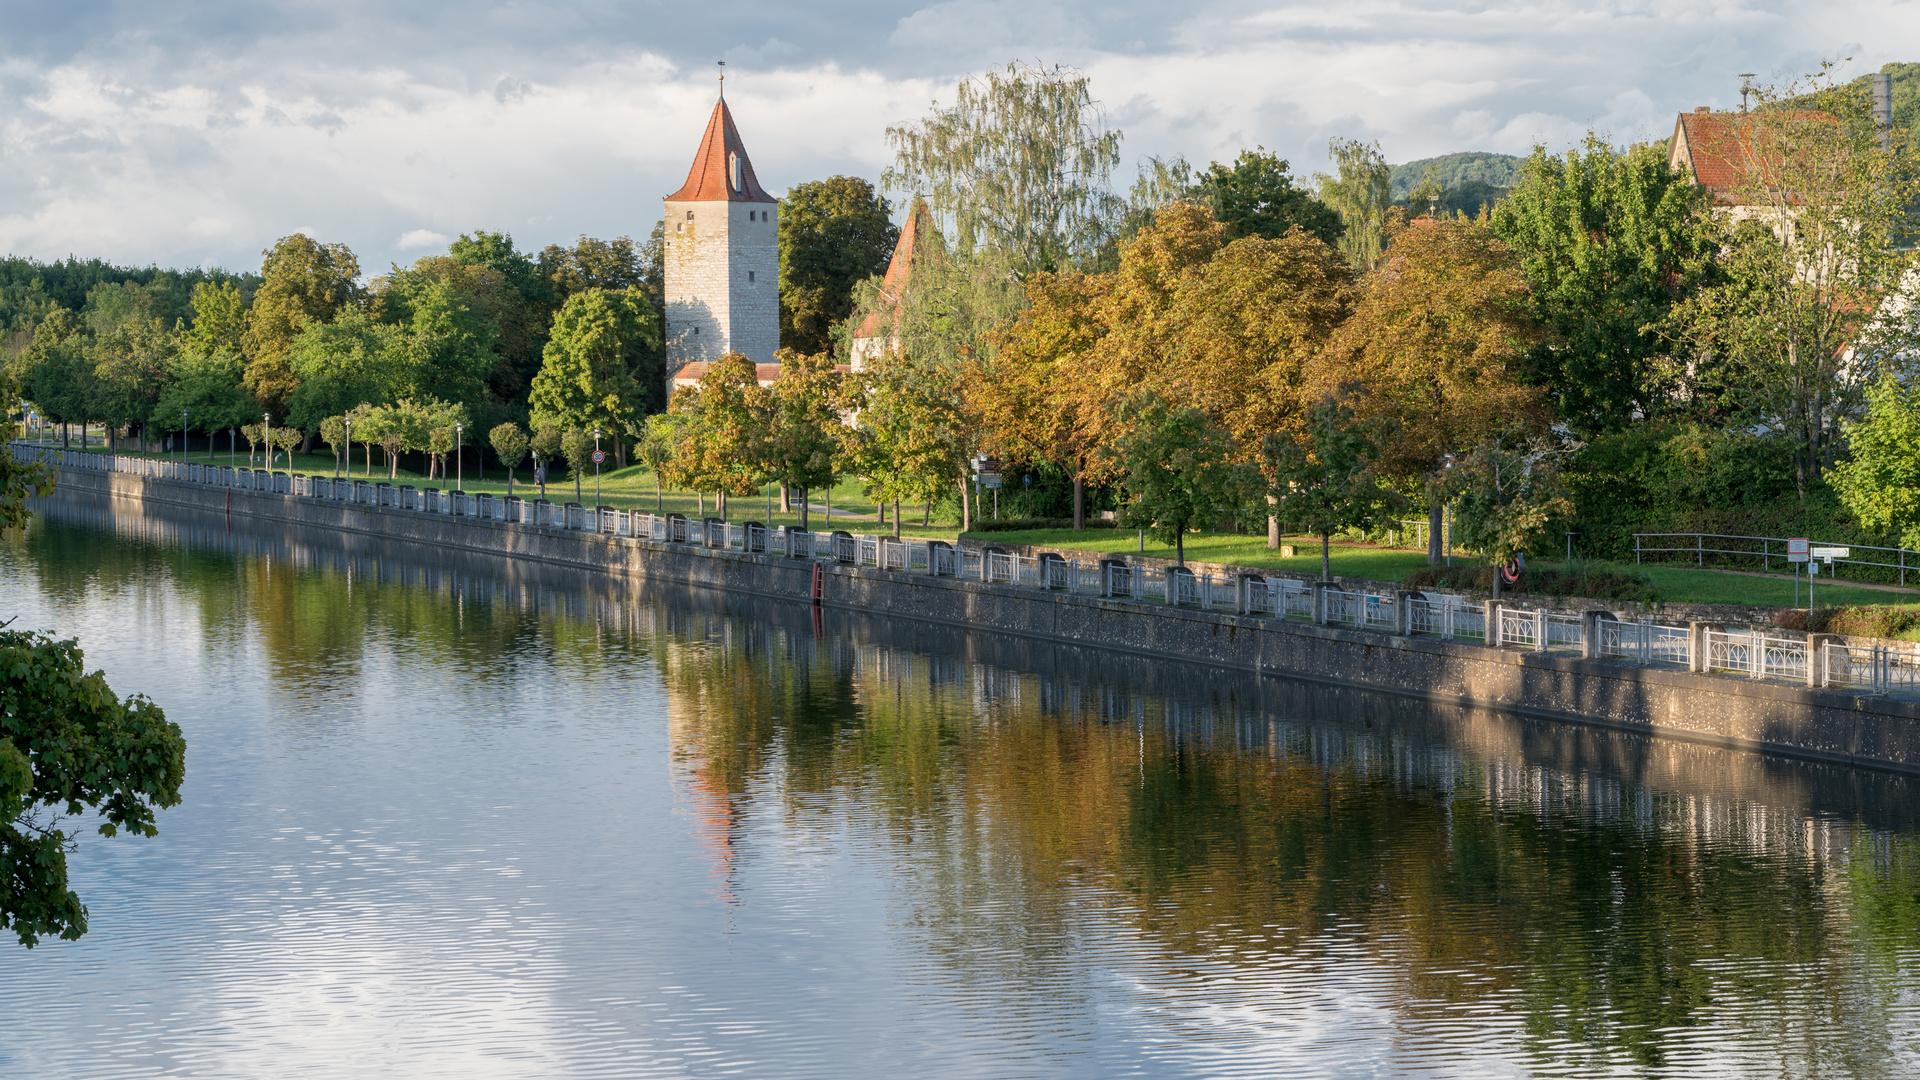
<point>540,474</point>
<point>596,467</point>
<point>183,435</point>
<point>233,450</point>
<point>348,417</point>
<point>459,465</point>
<point>266,436</point>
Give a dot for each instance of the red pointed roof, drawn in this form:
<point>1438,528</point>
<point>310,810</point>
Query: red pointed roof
<point>1728,151</point>
<point>712,179</point>
<point>915,234</point>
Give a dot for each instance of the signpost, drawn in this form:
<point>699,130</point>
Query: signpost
<point>1825,555</point>
<point>1797,554</point>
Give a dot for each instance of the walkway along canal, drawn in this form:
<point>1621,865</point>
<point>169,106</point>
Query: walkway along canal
<point>1807,696</point>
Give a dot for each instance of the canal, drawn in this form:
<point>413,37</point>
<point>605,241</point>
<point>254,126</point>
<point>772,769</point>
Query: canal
<point>447,815</point>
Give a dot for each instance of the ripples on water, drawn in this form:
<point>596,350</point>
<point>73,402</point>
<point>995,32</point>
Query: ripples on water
<point>451,816</point>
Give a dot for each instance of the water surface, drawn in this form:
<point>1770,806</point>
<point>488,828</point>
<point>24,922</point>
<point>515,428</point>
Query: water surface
<point>447,815</point>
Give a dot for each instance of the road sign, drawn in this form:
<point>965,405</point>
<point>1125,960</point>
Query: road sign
<point>599,456</point>
<point>989,480</point>
<point>1828,554</point>
<point>1797,549</point>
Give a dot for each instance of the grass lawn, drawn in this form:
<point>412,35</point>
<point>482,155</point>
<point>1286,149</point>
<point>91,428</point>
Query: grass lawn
<point>629,488</point>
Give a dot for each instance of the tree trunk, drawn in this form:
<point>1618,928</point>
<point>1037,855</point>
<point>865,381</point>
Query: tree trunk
<point>926,516</point>
<point>1273,526</point>
<point>804,500</point>
<point>1326,558</point>
<point>1436,534</point>
<point>700,504</point>
<point>896,519</point>
<point>829,501</point>
<point>619,453</point>
<point>1080,493</point>
<point>786,498</point>
<point>720,504</point>
<point>1179,548</point>
<point>1496,581</point>
<point>659,499</point>
<point>965,509</point>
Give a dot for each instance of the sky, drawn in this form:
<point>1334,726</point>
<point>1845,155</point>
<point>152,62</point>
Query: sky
<point>197,133</point>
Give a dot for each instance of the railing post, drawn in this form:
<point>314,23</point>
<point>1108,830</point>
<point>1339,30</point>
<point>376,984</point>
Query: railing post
<point>1756,654</point>
<point>1636,549</point>
<point>1540,631</point>
<point>1590,633</point>
<point>1697,633</point>
<point>1493,621</point>
<point>1320,602</point>
<point>1403,612</point>
<point>1817,659</point>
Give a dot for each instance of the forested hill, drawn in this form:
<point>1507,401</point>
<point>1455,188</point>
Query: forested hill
<point>1453,171</point>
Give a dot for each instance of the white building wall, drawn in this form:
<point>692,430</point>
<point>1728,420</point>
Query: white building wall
<point>722,281</point>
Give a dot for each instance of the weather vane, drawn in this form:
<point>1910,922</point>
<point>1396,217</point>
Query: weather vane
<point>722,64</point>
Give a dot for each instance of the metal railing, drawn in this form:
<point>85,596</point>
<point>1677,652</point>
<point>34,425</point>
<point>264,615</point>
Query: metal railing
<point>1880,668</point>
<point>1768,549</point>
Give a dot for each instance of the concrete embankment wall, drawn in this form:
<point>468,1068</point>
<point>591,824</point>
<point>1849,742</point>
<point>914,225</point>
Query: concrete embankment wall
<point>1824,725</point>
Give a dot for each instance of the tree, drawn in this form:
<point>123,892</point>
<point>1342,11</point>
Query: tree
<point>576,444</point>
<point>285,439</point>
<point>1178,467</point>
<point>19,480</point>
<point>333,432</point>
<point>1021,162</point>
<point>1508,493</point>
<point>1816,296</point>
<point>343,363</point>
<point>1438,344</point>
<point>510,446</point>
<point>657,445</point>
<point>597,371</point>
<point>256,435</point>
<point>1255,197</point>
<point>1361,191</point>
<point>834,233</point>
<point>802,447</point>
<point>1608,241</point>
<point>522,317</point>
<point>302,281</point>
<point>219,324</point>
<point>70,745</point>
<point>1324,476</point>
<point>732,416</point>
<point>1880,483</point>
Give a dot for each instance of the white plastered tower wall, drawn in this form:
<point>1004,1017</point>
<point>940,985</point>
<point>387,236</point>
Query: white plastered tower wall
<point>722,233</point>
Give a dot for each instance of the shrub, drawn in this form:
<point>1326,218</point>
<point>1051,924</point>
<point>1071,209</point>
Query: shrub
<point>1591,582</point>
<point>1025,524</point>
<point>1876,621</point>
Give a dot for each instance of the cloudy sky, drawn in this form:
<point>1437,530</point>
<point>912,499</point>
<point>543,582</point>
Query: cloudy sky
<point>195,133</point>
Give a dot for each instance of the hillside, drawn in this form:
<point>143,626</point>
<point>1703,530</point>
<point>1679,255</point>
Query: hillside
<point>1456,170</point>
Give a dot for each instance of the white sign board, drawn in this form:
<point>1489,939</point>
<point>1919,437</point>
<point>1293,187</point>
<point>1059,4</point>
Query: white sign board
<point>1797,549</point>
<point>1831,553</point>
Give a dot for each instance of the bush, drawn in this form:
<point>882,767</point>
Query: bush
<point>1594,583</point>
<point>1871,621</point>
<point>1025,524</point>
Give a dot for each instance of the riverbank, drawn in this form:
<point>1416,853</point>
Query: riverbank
<point>1818,724</point>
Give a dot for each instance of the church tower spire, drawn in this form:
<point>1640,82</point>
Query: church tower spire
<point>722,254</point>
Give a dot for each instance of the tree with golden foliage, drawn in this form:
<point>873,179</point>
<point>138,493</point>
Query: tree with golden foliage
<point>1436,348</point>
<point>303,281</point>
<point>724,450</point>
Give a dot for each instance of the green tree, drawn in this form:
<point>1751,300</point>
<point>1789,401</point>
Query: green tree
<point>1813,303</point>
<point>598,370</point>
<point>302,281</point>
<point>19,480</point>
<point>1178,467</point>
<point>510,446</point>
<point>802,444</point>
<point>834,233</point>
<point>69,745</point>
<point>1361,192</point>
<point>544,445</point>
<point>726,445</point>
<point>1609,241</point>
<point>1021,162</point>
<point>342,363</point>
<point>1880,483</point>
<point>1255,197</point>
<point>576,444</point>
<point>333,432</point>
<point>1324,476</point>
<point>219,324</point>
<point>1507,495</point>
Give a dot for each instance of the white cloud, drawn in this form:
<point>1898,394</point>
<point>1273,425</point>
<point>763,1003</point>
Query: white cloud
<point>421,238</point>
<point>392,131</point>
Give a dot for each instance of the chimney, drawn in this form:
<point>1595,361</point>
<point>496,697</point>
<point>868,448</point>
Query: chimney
<point>1883,108</point>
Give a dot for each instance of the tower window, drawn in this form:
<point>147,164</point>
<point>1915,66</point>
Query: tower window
<point>749,277</point>
<point>689,215</point>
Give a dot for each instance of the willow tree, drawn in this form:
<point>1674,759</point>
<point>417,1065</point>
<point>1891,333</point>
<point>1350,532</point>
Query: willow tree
<point>1021,161</point>
<point>1360,191</point>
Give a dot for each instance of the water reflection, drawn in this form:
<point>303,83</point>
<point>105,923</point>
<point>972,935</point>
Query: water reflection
<point>549,824</point>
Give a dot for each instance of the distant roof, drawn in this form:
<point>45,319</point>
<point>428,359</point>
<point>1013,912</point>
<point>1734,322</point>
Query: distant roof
<point>1718,147</point>
<point>711,179</point>
<point>915,234</point>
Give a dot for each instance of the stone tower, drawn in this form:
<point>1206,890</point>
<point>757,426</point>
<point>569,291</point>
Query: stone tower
<point>722,256</point>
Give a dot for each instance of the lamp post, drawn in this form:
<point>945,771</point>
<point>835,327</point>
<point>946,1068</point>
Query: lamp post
<point>541,475</point>
<point>233,450</point>
<point>183,435</point>
<point>596,469</point>
<point>266,436</point>
<point>459,464</point>
<point>348,417</point>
